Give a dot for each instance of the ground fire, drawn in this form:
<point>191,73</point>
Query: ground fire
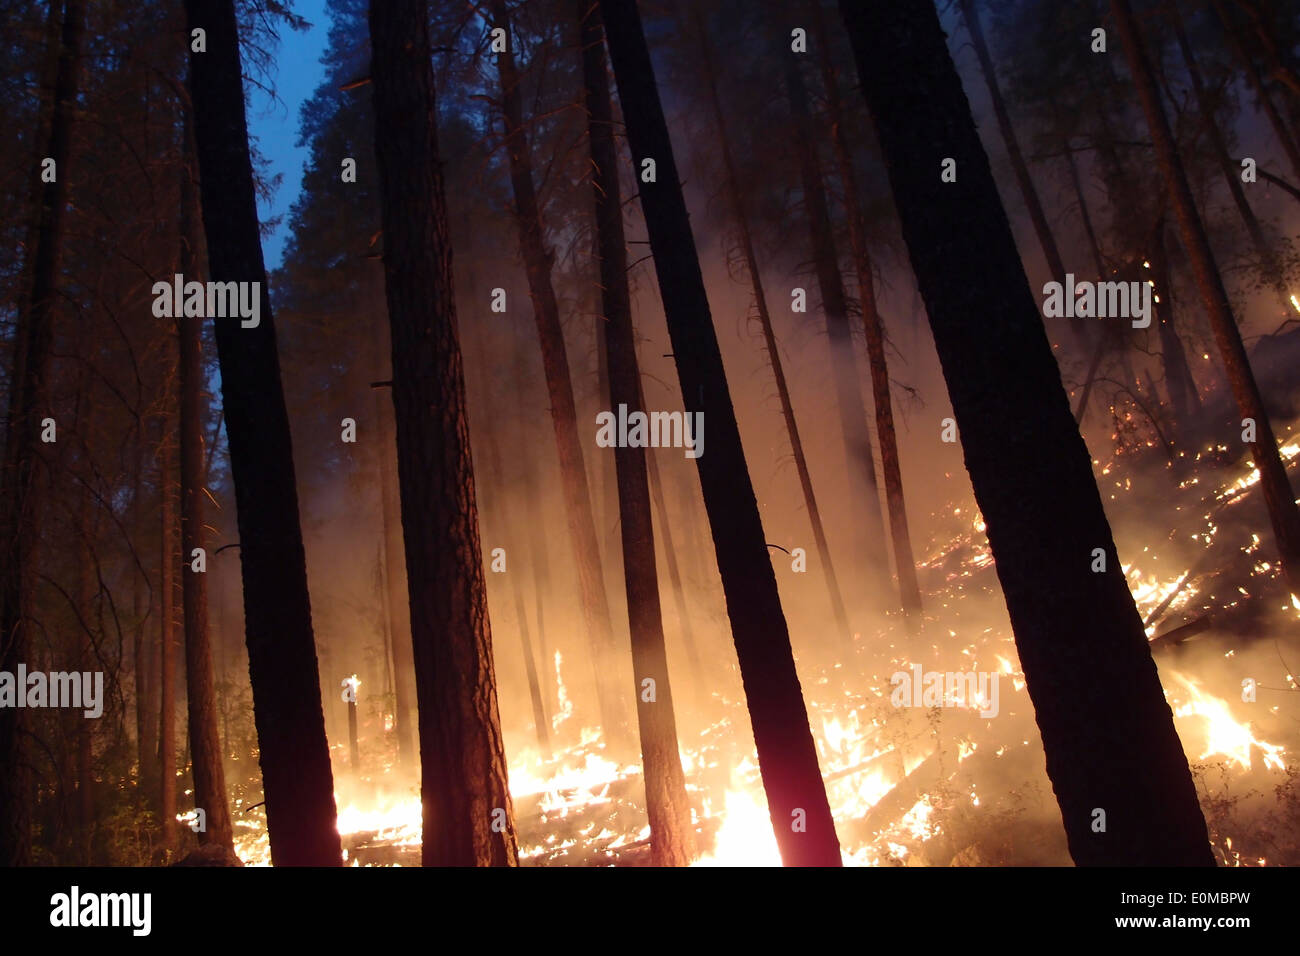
<point>356,508</point>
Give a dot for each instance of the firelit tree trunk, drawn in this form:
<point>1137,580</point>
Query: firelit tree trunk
<point>87,591</point>
<point>170,558</point>
<point>20,505</point>
<point>672,836</point>
<point>863,490</point>
<point>1231,171</point>
<point>467,812</point>
<point>787,756</point>
<point>143,659</point>
<point>908,586</point>
<point>399,607</point>
<point>1107,731</point>
<point>537,258</point>
<point>1081,199</point>
<point>1278,496</point>
<point>1179,381</point>
<point>296,774</point>
<point>205,741</point>
<point>732,187</point>
<point>497,480</point>
<point>1286,137</point>
<point>1028,192</point>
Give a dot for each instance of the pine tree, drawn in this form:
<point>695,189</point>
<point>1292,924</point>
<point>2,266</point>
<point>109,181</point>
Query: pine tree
<point>468,820</point>
<point>296,774</point>
<point>787,756</point>
<point>1114,759</point>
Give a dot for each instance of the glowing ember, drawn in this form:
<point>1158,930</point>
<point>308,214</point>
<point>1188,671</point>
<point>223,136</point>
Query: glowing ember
<point>746,837</point>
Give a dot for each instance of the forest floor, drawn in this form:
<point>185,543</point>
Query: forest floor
<point>943,785</point>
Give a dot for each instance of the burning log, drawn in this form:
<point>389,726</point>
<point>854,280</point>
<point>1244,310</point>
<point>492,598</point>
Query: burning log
<point>898,801</point>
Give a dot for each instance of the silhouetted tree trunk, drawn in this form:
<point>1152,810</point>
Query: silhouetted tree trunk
<point>1107,731</point>
<point>20,506</point>
<point>144,660</point>
<point>467,812</point>
<point>769,339</point>
<point>1280,60</point>
<point>1231,172</point>
<point>1278,496</point>
<point>675,581</point>
<point>890,467</point>
<point>497,480</point>
<point>399,608</point>
<point>205,741</point>
<point>537,258</point>
<point>1085,215</point>
<point>869,527</point>
<point>87,590</point>
<point>1028,192</point>
<point>296,774</point>
<point>787,756</point>
<point>672,836</point>
<point>167,618</point>
<point>1286,137</point>
<point>1179,382</point>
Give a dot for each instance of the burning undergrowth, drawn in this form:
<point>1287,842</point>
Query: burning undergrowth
<point>948,784</point>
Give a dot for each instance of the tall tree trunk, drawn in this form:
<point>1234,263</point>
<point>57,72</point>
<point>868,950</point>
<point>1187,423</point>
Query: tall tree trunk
<point>732,187</point>
<point>1028,192</point>
<point>497,479</point>
<point>908,586</point>
<point>296,774</point>
<point>1094,247</point>
<point>20,506</point>
<point>1278,495</point>
<point>689,643</point>
<point>537,258</point>
<point>672,836</point>
<point>1287,138</point>
<point>467,812</point>
<point>1179,382</point>
<point>167,621</point>
<point>787,756</point>
<point>142,656</point>
<point>1107,731</point>
<point>399,608</point>
<point>1280,60</point>
<point>863,491</point>
<point>87,590</point>
<point>205,741</point>
<point>1231,172</point>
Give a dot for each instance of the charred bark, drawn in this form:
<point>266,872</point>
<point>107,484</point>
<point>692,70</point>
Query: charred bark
<point>467,813</point>
<point>1107,731</point>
